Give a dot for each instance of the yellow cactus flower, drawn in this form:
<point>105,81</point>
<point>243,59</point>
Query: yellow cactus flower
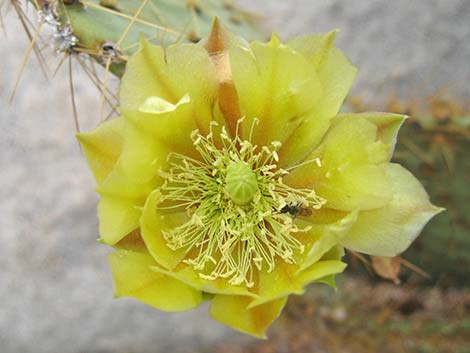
<point>231,177</point>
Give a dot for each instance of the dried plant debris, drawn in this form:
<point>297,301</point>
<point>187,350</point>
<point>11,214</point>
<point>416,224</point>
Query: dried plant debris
<point>368,318</point>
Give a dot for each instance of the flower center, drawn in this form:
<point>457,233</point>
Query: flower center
<point>236,205</point>
<point>240,183</point>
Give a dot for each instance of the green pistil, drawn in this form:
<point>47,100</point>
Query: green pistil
<point>232,197</point>
<point>240,183</point>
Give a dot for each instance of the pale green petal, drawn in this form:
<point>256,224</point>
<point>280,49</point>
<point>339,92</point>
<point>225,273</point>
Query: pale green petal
<point>364,187</point>
<point>347,143</point>
<point>276,85</point>
<point>336,75</point>
<point>102,147</point>
<point>321,238</point>
<point>232,311</point>
<point>171,74</point>
<point>350,173</point>
<point>315,47</point>
<point>134,278</point>
<point>388,231</point>
<point>387,125</point>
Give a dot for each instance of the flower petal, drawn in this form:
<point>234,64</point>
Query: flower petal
<point>388,231</point>
<point>153,223</point>
<point>233,311</point>
<point>276,85</point>
<point>336,75</point>
<point>315,47</point>
<point>321,238</point>
<point>185,273</point>
<point>120,205</point>
<point>134,278</point>
<point>286,279</point>
<point>170,74</point>
<point>143,153</point>
<point>102,147</point>
<point>132,241</point>
<point>118,217</point>
<point>351,174</point>
<point>387,125</point>
<point>218,43</point>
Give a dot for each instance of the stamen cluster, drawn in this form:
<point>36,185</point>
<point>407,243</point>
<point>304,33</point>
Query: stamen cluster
<point>224,237</point>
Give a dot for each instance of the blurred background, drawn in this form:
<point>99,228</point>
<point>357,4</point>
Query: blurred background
<point>55,285</point>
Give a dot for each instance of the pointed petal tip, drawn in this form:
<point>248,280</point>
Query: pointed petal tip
<point>275,40</point>
<point>218,39</point>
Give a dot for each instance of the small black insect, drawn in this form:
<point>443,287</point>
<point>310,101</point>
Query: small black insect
<point>296,210</point>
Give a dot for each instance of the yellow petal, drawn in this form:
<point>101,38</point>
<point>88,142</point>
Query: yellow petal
<point>102,147</point>
<point>185,273</point>
<point>233,311</point>
<point>117,218</point>
<point>336,75</point>
<point>276,85</point>
<point>134,278</point>
<point>153,223</point>
<point>388,231</point>
<point>143,154</point>
<point>120,205</point>
<point>287,279</point>
<point>157,105</point>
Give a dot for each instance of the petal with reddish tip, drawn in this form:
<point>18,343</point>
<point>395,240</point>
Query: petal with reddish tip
<point>218,44</point>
